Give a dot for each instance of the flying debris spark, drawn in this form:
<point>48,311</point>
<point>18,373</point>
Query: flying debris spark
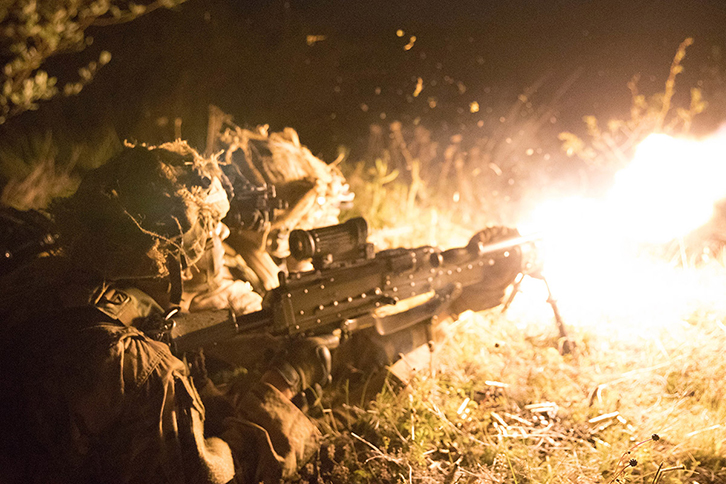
<point>419,87</point>
<point>314,39</point>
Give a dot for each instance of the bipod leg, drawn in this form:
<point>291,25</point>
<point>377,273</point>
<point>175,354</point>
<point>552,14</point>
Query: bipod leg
<point>567,345</point>
<point>515,290</point>
<point>431,345</point>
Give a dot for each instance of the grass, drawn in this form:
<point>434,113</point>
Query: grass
<point>505,406</point>
<point>500,403</point>
<point>37,167</point>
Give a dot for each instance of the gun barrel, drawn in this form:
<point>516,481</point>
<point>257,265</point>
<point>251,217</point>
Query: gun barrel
<point>509,243</point>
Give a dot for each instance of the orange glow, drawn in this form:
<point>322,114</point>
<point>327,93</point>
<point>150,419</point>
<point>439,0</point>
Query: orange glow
<point>670,187</point>
<point>596,257</point>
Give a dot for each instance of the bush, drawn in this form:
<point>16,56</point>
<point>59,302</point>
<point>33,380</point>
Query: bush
<point>34,31</point>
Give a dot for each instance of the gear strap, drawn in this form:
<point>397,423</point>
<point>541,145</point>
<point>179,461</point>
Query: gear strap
<point>174,266</point>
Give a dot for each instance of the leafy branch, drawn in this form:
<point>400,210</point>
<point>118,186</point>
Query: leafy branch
<point>32,31</point>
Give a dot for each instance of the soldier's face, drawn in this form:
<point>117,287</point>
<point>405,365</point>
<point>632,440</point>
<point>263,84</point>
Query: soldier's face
<point>200,239</point>
<point>205,270</point>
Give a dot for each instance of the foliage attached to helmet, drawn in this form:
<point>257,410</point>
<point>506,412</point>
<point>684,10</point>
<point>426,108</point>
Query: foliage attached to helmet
<point>144,206</point>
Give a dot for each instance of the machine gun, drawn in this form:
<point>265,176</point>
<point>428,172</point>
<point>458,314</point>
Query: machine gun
<point>253,207</point>
<point>351,287</point>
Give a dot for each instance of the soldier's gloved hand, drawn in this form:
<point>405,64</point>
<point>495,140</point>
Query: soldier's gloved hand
<point>197,364</point>
<point>303,363</point>
<point>217,406</point>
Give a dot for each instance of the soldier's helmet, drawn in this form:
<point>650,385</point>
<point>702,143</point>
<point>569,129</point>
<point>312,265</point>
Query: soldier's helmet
<point>145,207</point>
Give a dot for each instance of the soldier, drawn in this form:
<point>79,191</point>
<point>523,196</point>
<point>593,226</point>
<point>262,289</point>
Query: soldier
<point>88,396</point>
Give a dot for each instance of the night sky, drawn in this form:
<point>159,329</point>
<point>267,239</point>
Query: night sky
<point>254,61</point>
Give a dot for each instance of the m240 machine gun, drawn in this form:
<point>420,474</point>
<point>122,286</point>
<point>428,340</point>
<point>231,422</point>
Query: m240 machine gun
<point>351,287</point>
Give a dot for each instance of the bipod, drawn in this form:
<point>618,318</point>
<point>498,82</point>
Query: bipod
<point>567,345</point>
<point>515,290</point>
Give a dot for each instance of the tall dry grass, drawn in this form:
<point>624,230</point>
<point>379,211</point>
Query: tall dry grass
<point>503,405</point>
<point>37,167</point>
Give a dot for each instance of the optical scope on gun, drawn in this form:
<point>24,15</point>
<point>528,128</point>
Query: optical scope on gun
<point>332,245</point>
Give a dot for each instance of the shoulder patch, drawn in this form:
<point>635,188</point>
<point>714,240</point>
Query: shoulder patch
<point>127,304</point>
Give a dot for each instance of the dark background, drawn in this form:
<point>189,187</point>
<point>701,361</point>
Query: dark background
<point>252,60</point>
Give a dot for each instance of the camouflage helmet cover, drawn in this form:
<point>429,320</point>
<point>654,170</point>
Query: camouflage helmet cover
<point>143,205</point>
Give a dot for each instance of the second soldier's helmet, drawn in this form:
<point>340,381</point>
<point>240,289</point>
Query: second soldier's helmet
<point>145,211</point>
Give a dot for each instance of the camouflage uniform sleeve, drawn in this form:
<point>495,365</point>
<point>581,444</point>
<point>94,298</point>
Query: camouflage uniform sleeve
<point>159,435</point>
<point>237,295</point>
<point>157,430</point>
<point>271,437</point>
